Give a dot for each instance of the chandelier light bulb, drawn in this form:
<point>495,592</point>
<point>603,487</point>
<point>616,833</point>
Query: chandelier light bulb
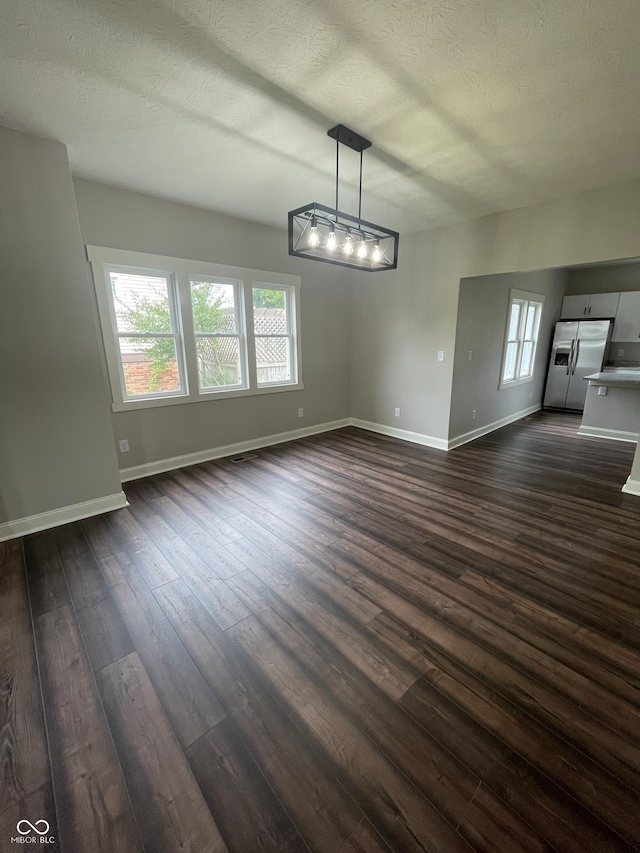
<point>331,240</point>
<point>377,254</point>
<point>362,249</point>
<point>348,244</point>
<point>314,237</point>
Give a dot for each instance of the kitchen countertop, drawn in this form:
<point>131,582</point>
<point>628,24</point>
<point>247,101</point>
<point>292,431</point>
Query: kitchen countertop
<point>618,377</point>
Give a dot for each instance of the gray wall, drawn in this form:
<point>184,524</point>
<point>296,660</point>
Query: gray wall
<point>482,311</point>
<point>56,442</point>
<point>635,470</point>
<point>56,445</point>
<point>400,320</point>
<point>607,278</point>
<point>126,220</point>
<point>604,278</point>
<point>618,410</point>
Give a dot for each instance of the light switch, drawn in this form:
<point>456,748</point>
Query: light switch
<point>602,391</point>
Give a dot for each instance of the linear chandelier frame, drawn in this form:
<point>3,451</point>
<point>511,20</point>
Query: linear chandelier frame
<point>329,235</point>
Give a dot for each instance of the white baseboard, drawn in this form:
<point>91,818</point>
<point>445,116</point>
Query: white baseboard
<point>601,432</point>
<point>487,428</point>
<point>631,487</point>
<point>173,462</point>
<point>403,434</point>
<point>147,469</point>
<point>86,509</point>
<point>64,515</point>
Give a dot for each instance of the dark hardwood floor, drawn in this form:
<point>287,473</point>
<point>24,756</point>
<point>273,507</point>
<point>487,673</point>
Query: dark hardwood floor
<point>348,644</point>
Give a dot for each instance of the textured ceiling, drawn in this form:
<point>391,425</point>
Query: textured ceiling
<point>473,106</point>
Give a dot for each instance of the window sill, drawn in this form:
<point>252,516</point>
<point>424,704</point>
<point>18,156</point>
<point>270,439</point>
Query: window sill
<point>510,383</point>
<point>204,397</point>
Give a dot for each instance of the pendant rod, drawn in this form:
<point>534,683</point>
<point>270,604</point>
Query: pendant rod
<point>343,135</point>
<point>360,193</point>
<point>337,168</point>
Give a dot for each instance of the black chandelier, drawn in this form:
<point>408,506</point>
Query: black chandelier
<point>327,234</point>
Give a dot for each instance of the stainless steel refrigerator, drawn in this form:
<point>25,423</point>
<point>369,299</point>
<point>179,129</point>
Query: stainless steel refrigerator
<point>578,349</point>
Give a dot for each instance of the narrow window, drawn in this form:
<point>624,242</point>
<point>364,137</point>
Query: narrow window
<point>219,343</point>
<point>146,330</point>
<point>521,337</point>
<point>272,329</point>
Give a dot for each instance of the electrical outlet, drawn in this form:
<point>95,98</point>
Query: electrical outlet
<point>620,353</point>
<point>300,412</point>
<point>124,445</point>
<point>440,355</point>
<point>473,415</point>
<point>397,413</point>
<point>602,391</point>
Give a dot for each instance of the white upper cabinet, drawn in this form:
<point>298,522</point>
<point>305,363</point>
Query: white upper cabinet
<point>603,305</point>
<point>574,307</point>
<point>627,325</point>
<point>589,306</point>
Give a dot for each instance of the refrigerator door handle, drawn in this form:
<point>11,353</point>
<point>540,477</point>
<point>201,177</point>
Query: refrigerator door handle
<point>570,359</point>
<point>575,360</point>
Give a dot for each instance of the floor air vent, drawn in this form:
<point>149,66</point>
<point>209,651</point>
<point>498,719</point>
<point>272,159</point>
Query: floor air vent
<point>244,457</point>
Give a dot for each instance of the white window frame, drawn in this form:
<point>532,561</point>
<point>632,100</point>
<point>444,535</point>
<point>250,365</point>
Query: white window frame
<point>525,298</point>
<point>182,272</point>
<point>112,341</point>
<point>290,313</point>
<point>240,334</point>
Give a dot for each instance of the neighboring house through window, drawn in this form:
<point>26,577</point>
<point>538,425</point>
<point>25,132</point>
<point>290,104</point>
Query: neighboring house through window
<point>524,313</point>
<point>178,331</point>
<point>273,331</point>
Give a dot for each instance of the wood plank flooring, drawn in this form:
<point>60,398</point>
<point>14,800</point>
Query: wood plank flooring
<point>348,644</point>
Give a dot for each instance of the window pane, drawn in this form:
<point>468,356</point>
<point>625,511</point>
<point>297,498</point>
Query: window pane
<point>514,321</point>
<point>269,311</point>
<point>527,358</point>
<point>149,365</point>
<point>510,361</point>
<point>530,326</point>
<point>214,307</point>
<point>218,362</point>
<point>141,302</point>
<point>273,360</point>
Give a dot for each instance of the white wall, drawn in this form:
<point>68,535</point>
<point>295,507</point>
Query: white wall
<point>56,445</point>
<point>126,220</point>
<point>400,320</point>
<point>482,312</point>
